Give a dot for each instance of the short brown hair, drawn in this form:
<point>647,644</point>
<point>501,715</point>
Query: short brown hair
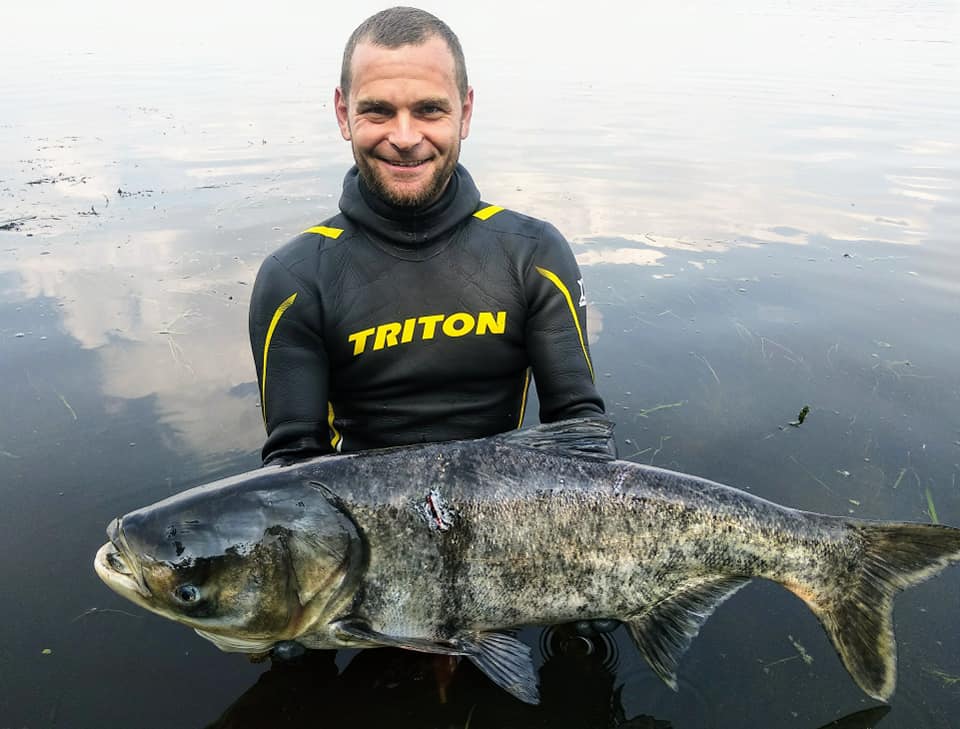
<point>402,26</point>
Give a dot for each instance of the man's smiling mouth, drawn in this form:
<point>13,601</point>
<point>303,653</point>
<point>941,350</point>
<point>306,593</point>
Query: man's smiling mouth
<point>405,163</point>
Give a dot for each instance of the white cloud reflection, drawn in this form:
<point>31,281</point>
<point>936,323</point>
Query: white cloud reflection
<point>164,324</point>
<point>621,256</point>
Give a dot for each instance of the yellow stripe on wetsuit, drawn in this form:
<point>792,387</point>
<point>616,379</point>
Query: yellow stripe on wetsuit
<point>523,401</point>
<point>325,231</point>
<point>337,438</point>
<point>266,350</point>
<point>488,212</point>
<point>555,280</point>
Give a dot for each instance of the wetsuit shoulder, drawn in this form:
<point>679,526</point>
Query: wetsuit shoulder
<point>556,329</point>
<point>313,241</point>
<point>502,220</point>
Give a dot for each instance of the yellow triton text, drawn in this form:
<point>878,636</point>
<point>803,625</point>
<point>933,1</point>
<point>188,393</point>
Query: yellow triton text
<point>427,327</point>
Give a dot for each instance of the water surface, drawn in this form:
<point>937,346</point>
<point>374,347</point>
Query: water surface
<point>764,201</point>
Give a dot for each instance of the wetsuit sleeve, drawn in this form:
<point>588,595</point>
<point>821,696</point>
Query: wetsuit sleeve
<point>557,332</point>
<point>292,366</point>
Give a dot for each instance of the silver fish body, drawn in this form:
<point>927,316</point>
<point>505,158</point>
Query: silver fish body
<point>445,547</point>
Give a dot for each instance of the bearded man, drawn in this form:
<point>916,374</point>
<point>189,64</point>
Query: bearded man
<point>418,313</point>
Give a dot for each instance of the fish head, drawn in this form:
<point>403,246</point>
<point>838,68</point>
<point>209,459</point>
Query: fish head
<point>246,562</point>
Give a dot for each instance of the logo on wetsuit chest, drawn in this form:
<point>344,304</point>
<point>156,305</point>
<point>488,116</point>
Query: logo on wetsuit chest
<point>421,328</point>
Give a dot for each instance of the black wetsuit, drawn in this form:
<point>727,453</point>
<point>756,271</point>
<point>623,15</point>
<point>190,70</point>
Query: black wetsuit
<point>380,327</point>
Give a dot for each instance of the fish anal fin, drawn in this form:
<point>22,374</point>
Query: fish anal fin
<point>664,632</point>
<point>506,660</point>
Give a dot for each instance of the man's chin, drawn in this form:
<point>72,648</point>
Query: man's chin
<point>410,200</point>
<point>408,196</point>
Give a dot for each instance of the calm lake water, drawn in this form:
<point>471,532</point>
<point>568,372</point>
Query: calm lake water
<point>765,201</point>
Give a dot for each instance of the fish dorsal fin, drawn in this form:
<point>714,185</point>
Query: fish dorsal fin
<point>506,660</point>
<point>664,631</point>
<point>580,437</point>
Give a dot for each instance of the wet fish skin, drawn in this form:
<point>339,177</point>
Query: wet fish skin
<point>442,547</point>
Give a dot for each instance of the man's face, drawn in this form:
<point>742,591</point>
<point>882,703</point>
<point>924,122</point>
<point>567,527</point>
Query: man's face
<point>404,119</point>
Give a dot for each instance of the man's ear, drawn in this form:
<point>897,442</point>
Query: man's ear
<point>341,106</point>
<point>466,113</point>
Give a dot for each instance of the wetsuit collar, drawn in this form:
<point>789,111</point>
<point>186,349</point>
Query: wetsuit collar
<point>410,228</point>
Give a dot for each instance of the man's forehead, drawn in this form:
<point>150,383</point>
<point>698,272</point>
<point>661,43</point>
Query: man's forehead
<point>430,61</point>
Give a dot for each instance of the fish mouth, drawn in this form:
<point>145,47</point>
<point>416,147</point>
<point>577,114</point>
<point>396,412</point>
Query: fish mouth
<point>116,566</point>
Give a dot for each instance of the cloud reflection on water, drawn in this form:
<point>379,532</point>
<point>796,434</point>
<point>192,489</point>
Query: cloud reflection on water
<point>165,321</point>
<point>714,165</point>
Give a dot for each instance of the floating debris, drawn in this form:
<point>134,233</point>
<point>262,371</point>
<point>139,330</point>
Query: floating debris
<point>768,666</point>
<point>59,178</point>
<point>138,193</point>
<point>807,658</point>
<point>811,474</point>
<point>67,406</point>
<point>646,411</point>
<point>97,611</point>
<point>946,678</point>
<point>709,366</point>
<point>931,509</point>
<point>15,223</point>
<point>804,411</point>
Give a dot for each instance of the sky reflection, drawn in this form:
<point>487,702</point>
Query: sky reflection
<point>764,201</point>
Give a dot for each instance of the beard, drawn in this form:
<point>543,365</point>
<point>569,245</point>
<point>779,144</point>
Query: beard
<point>403,199</point>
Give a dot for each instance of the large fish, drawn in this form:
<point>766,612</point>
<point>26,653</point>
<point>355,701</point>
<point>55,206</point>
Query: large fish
<point>445,547</point>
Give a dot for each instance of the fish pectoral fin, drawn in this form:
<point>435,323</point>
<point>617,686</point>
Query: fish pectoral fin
<point>506,660</point>
<point>361,633</point>
<point>236,644</point>
<point>664,632</point>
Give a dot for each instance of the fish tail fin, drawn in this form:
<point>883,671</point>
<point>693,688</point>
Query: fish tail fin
<point>857,613</point>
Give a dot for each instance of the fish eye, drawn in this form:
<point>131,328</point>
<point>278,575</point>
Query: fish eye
<point>186,593</point>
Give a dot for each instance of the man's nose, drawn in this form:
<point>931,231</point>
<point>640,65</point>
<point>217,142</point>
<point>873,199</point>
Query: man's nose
<point>405,134</point>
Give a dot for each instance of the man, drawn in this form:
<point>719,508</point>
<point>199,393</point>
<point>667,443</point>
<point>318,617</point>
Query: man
<point>418,313</point>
